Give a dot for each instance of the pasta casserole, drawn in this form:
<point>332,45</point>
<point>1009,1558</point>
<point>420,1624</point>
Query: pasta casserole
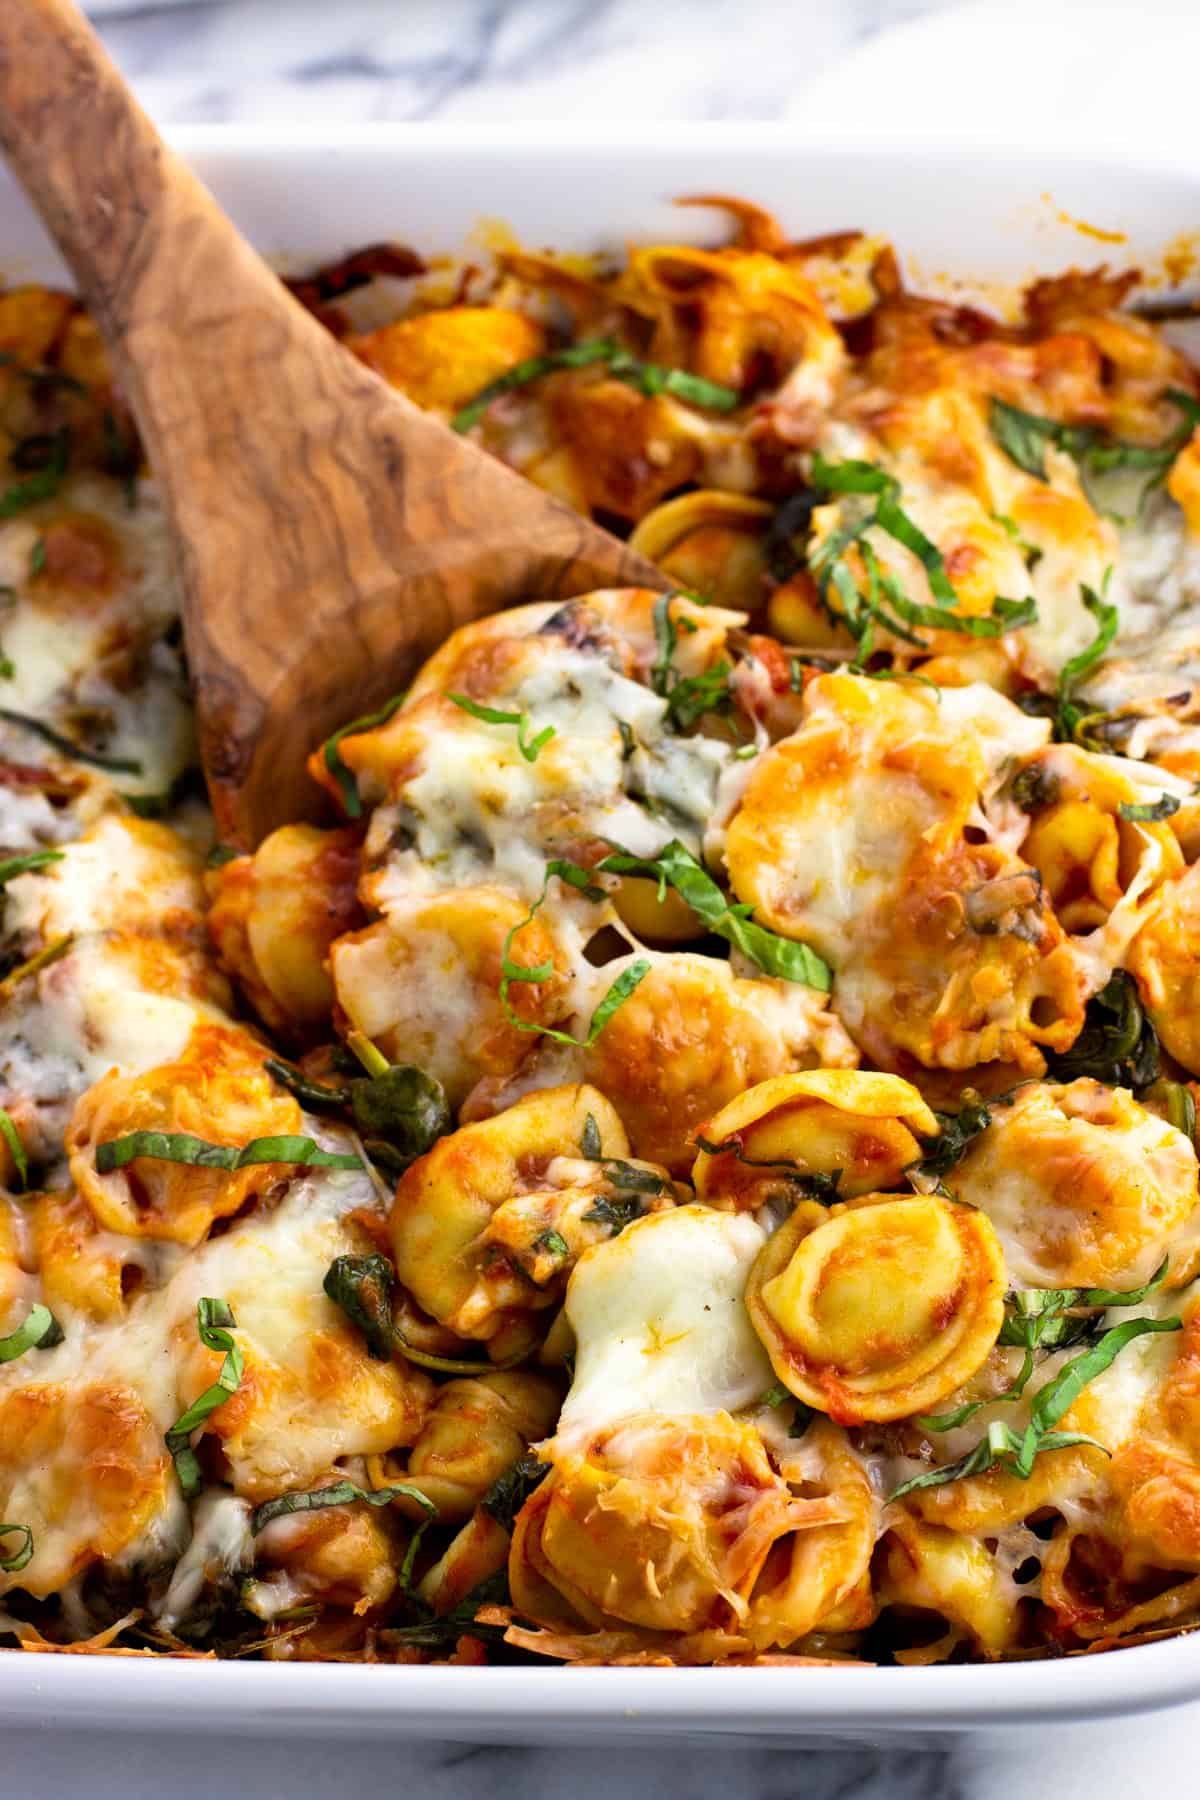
<point>693,1158</point>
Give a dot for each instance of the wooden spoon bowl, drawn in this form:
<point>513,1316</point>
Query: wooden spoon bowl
<point>328,533</point>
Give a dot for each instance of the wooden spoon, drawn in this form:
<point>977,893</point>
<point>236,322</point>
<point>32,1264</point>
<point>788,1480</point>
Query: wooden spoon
<point>328,533</point>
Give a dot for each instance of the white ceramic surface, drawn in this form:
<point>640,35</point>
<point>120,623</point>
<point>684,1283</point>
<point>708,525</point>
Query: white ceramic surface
<point>958,216</point>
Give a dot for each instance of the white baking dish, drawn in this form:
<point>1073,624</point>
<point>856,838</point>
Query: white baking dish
<point>956,215</point>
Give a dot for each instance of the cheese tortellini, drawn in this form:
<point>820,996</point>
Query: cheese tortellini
<point>686,1153</point>
<point>1085,1187</point>
<point>879,1308</point>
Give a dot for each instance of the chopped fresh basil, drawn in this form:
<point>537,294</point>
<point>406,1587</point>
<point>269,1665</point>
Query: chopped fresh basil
<point>655,378</point>
<point>211,1317</point>
<point>1150,811</point>
<point>688,697</point>
<point>959,1130</point>
<point>775,1396</point>
<point>492,715</point>
<point>344,777</point>
<point>1117,1045</point>
<point>1107,623</point>
<point>403,1105</point>
<point>53,453</point>
<point>813,1184</point>
<point>344,1493</point>
<point>48,954</point>
<point>590,1142</point>
<point>442,1631</point>
<point>1047,1319</point>
<point>181,1147</point>
<point>220,854</point>
<point>675,866</point>
<point>362,1287</point>
<point>309,1093</point>
<point>12,1138</point>
<point>694,696</point>
<point>1032,1307</point>
<point>649,378</point>
<point>1024,437</point>
<point>666,635</point>
<point>1016,1452</point>
<point>574,356</point>
<point>1052,1401</point>
<point>618,993</point>
<point>40,1331</point>
<point>616,1214</point>
<point>626,1178</point>
<point>1073,723</point>
<point>18,1559</point>
<point>884,601</point>
<point>117,765</point>
<point>509,1492</point>
<point>554,1244</point>
<point>1035,787</point>
<point>456,1365</point>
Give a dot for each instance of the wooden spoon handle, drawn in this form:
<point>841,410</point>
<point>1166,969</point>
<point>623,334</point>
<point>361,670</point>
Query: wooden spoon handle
<point>329,533</point>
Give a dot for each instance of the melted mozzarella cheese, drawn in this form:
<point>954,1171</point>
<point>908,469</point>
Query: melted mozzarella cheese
<point>660,1321</point>
<point>221,1546</point>
<point>125,995</point>
<point>1002,731</point>
<point>269,1268</point>
<point>480,809</point>
<point>59,644</point>
<point>120,876</point>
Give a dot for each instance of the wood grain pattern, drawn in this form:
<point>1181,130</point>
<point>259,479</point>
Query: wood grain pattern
<point>329,534</point>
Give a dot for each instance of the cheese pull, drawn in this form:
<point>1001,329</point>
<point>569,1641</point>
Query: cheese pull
<point>880,1308</point>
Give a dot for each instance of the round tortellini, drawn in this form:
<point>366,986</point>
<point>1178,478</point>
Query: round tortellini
<point>218,1091</point>
<point>679,1525</point>
<point>424,985</point>
<point>345,1556</point>
<point>844,1129</point>
<point>275,914</point>
<point>710,542</point>
<point>84,1471</point>
<point>486,1226</point>
<point>1091,859</point>
<point>1166,961</point>
<point>879,1308</point>
<point>692,1036</point>
<point>1085,1186</point>
<point>859,835</point>
<point>477,1429</point>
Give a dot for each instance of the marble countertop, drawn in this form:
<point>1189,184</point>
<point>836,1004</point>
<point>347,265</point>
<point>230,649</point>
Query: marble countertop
<point>522,60</point>
<point>219,60</point>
